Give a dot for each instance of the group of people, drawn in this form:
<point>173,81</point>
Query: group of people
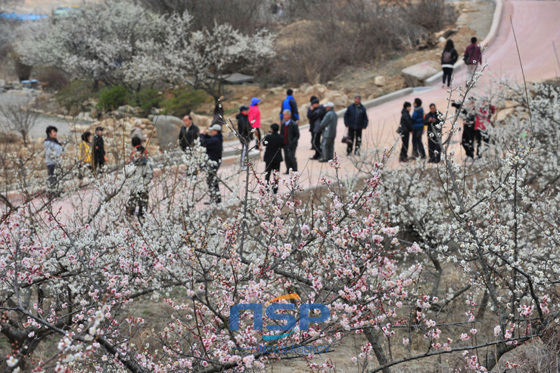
<point>476,120</point>
<point>414,124</point>
<point>472,58</point>
<point>284,137</point>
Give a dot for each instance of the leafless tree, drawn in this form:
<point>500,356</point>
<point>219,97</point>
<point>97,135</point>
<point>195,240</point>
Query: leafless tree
<point>20,119</point>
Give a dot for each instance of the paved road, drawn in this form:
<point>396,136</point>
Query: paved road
<point>536,27</point>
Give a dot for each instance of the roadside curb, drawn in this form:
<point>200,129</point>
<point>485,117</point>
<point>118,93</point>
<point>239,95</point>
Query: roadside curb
<point>491,35</point>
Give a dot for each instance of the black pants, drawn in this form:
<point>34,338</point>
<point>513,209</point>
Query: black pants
<point>258,138</point>
<point>405,136</point>
<point>480,135</point>
<point>355,137</point>
<point>272,166</point>
<point>52,179</point>
<point>447,72</point>
<point>213,181</point>
<point>468,140</point>
<point>434,147</point>
<point>316,141</point>
<point>139,199</point>
<point>417,146</point>
<point>290,157</point>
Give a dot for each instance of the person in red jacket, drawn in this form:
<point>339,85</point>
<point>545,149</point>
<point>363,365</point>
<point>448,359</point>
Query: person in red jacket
<point>472,58</point>
<point>482,120</point>
<point>255,119</point>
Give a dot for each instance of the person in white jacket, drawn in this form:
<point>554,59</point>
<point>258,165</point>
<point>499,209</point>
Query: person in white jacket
<point>53,153</point>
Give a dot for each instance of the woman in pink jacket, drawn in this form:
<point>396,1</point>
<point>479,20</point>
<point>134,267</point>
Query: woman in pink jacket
<point>255,119</point>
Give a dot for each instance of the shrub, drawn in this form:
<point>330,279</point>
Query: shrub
<point>113,97</point>
<point>146,99</point>
<point>183,100</point>
<point>73,95</point>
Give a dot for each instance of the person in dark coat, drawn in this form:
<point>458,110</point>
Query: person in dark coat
<point>418,130</point>
<point>213,143</point>
<point>274,143</point>
<point>433,121</point>
<point>245,132</point>
<point>469,119</point>
<point>449,57</point>
<point>315,114</point>
<point>356,120</point>
<point>290,134</point>
<point>98,150</point>
<point>405,130</point>
<point>188,133</point>
<point>289,103</point>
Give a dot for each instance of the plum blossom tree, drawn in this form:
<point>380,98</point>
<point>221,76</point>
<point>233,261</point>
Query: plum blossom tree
<point>119,43</point>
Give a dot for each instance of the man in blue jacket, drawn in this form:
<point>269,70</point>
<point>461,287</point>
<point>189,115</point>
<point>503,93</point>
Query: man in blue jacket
<point>213,143</point>
<point>289,103</point>
<point>356,120</point>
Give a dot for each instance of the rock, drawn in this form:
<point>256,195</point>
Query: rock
<point>80,128</point>
<point>379,81</point>
<point>320,88</point>
<point>416,75</point>
<point>2,83</point>
<point>509,104</point>
<point>167,127</point>
<point>442,40</point>
<point>304,87</point>
<point>339,99</point>
<point>504,114</point>
<point>201,120</point>
<point>94,112</point>
<point>309,90</point>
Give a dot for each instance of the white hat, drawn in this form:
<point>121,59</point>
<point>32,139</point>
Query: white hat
<point>215,127</point>
<point>329,104</point>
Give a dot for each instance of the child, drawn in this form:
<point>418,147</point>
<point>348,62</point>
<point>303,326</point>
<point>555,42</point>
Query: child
<point>98,149</point>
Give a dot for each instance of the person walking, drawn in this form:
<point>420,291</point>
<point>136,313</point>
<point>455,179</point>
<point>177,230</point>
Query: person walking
<point>328,131</point>
<point>315,114</point>
<point>405,130</point>
<point>274,143</point>
<point>98,150</point>
<point>472,58</point>
<point>290,134</point>
<point>469,118</point>
<point>53,153</point>
<point>448,59</point>
<point>482,120</point>
<point>290,104</point>
<point>213,142</point>
<point>355,120</point>
<point>188,133</point>
<point>433,121</point>
<point>141,176</point>
<point>245,133</point>
<point>418,130</point>
<point>255,119</point>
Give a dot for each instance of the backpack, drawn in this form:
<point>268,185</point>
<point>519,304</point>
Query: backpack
<point>447,58</point>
